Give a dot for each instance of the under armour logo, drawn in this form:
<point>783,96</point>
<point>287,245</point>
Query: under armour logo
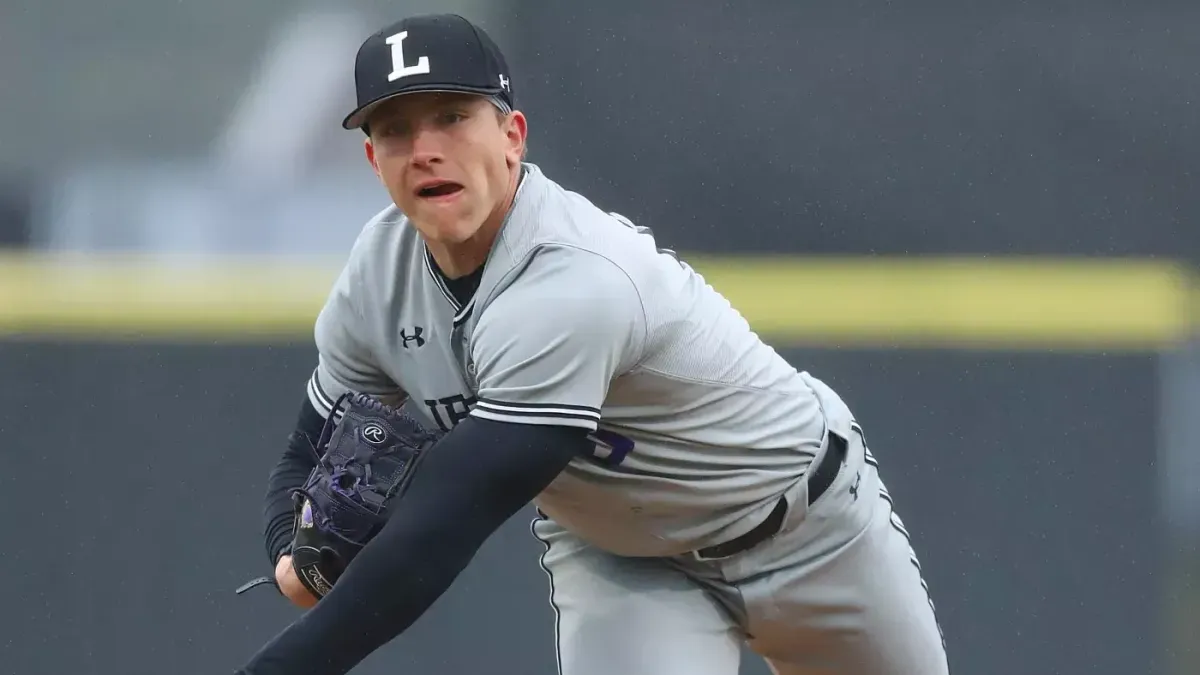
<point>400,70</point>
<point>415,337</point>
<point>374,434</point>
<point>504,83</point>
<point>854,488</point>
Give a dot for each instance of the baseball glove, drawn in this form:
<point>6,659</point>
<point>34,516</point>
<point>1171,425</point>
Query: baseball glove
<point>364,461</point>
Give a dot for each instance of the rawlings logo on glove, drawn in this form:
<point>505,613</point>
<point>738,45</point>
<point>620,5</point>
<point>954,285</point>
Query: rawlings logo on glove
<point>364,460</point>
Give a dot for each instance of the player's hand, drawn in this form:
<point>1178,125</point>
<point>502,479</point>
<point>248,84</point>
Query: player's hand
<point>290,586</point>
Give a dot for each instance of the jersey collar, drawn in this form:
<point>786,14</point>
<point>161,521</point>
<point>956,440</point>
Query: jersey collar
<point>461,311</point>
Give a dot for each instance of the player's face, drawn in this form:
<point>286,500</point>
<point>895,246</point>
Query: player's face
<point>447,161</point>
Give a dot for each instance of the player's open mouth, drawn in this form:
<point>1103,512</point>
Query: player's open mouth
<point>440,190</point>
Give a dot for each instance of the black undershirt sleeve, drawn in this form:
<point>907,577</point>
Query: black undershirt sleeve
<point>290,472</point>
<point>476,478</point>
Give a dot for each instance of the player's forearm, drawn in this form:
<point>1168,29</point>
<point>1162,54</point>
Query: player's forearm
<point>289,472</point>
<point>467,485</point>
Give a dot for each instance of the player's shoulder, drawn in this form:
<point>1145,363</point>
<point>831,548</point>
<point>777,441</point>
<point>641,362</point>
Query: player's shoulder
<point>381,250</point>
<point>550,222</point>
<point>383,244</point>
<point>561,256</point>
<point>384,236</point>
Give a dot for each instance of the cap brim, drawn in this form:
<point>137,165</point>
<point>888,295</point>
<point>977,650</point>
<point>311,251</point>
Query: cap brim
<point>357,118</point>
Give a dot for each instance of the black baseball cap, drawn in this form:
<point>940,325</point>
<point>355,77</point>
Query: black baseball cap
<point>435,52</point>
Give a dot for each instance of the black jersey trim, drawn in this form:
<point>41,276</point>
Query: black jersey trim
<point>431,268</point>
<point>540,409</point>
<point>314,388</point>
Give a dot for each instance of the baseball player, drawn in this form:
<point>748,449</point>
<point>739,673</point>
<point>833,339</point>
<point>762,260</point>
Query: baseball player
<point>695,492</point>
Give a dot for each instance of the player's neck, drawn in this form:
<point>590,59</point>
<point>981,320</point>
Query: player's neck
<point>460,259</point>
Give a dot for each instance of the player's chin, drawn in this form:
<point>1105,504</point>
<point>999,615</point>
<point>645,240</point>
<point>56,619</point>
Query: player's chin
<point>450,227</point>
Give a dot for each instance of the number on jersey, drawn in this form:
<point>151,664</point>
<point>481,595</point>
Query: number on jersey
<point>609,448</point>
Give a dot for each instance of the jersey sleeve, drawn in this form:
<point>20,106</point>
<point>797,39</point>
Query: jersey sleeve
<point>345,363</point>
<point>547,347</point>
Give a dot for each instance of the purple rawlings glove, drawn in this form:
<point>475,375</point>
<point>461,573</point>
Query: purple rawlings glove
<point>365,460</point>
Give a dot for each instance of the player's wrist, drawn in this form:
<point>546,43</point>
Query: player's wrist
<point>285,550</point>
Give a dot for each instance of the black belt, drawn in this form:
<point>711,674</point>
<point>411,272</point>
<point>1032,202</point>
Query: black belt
<point>820,480</point>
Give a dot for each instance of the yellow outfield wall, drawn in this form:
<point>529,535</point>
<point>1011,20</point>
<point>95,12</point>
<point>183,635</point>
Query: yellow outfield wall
<point>1003,303</point>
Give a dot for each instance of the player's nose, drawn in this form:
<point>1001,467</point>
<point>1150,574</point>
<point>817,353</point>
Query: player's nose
<point>426,146</point>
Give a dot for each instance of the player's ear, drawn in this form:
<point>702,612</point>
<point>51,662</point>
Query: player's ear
<point>516,131</point>
<point>369,149</point>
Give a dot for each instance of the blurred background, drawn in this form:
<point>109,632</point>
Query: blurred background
<point>977,220</point>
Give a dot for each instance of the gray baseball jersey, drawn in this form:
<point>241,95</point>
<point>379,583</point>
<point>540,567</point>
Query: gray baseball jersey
<point>580,319</point>
<point>698,428</point>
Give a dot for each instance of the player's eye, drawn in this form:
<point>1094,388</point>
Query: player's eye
<point>452,117</point>
<point>394,130</point>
